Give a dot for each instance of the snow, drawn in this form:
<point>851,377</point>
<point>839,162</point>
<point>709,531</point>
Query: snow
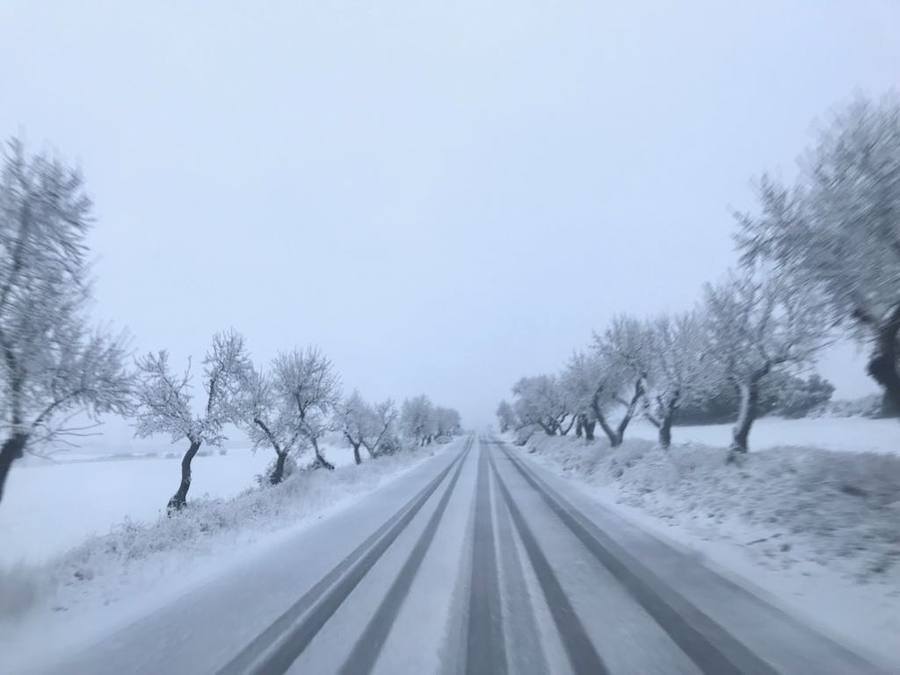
<point>110,581</point>
<point>138,556</point>
<point>793,521</point>
<point>49,507</point>
<point>66,525</point>
<point>845,434</point>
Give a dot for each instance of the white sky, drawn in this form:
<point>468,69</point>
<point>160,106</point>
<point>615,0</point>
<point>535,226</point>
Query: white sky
<point>443,196</point>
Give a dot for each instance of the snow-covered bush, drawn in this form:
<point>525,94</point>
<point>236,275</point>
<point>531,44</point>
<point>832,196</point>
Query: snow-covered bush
<point>389,445</point>
<point>799,397</point>
<point>865,406</point>
<point>780,393</point>
<point>789,505</point>
<point>282,467</point>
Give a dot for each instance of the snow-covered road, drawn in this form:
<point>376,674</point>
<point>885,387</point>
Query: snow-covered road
<point>476,561</point>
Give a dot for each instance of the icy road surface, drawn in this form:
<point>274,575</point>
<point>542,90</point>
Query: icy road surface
<point>476,562</point>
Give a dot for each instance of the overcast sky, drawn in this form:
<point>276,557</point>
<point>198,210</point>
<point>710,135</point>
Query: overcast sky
<point>443,196</point>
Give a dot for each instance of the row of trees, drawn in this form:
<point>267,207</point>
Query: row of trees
<point>55,367</point>
<point>819,259</point>
<point>288,407</point>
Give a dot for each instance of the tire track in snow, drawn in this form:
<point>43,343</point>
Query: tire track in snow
<point>371,641</point>
<point>707,644</point>
<point>485,646</point>
<point>277,647</point>
<point>524,646</point>
<point>583,657</point>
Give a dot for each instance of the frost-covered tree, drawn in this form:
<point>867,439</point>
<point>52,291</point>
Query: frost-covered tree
<point>506,417</point>
<point>365,425</point>
<point>619,368</point>
<point>447,421</point>
<point>355,421</point>
<point>579,381</point>
<point>382,436</point>
<point>541,402</point>
<point>270,421</point>
<point>417,419</point>
<point>308,381</point>
<point>755,323</point>
<point>53,365</point>
<point>164,401</point>
<point>676,370</point>
<point>838,229</point>
<point>385,440</point>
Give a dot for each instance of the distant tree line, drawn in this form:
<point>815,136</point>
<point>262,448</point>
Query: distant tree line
<point>780,394</point>
<point>818,260</point>
<point>56,366</point>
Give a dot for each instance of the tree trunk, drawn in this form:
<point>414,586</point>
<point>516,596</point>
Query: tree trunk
<point>566,430</point>
<point>668,409</point>
<point>579,427</point>
<point>278,472</point>
<point>179,499</point>
<point>749,397</point>
<point>589,426</point>
<point>630,408</point>
<point>550,431</point>
<point>882,366</point>
<point>617,435</point>
<point>12,450</point>
<point>614,440</point>
<point>321,462</point>
<point>355,445</point>
<point>665,430</point>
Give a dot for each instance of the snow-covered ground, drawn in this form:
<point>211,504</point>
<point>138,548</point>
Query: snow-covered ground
<point>49,507</point>
<point>847,434</point>
<point>815,528</point>
<point>113,579</point>
<point>75,531</point>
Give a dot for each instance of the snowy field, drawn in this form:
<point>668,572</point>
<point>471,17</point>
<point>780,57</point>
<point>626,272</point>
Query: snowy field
<point>49,507</point>
<point>847,434</point>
